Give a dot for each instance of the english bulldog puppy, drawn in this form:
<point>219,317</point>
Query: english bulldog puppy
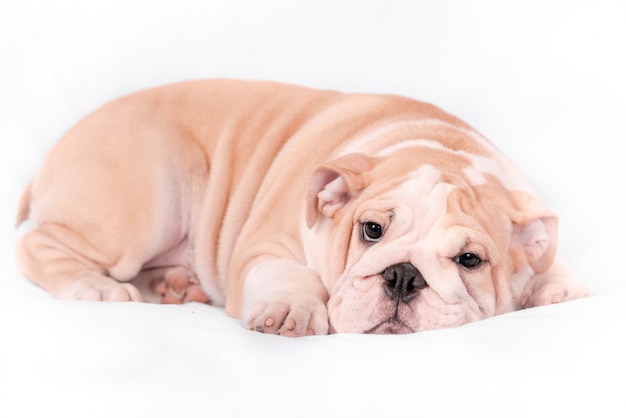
<point>301,211</point>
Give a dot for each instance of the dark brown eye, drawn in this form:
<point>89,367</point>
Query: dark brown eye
<point>468,260</point>
<point>371,231</point>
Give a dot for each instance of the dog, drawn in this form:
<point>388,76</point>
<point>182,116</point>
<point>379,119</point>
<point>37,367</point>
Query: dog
<point>301,211</point>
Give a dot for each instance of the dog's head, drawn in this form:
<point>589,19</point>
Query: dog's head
<point>415,241</point>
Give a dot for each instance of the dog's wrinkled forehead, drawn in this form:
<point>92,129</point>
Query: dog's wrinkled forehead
<point>428,196</point>
<point>409,205</point>
<point>419,182</point>
<point>425,192</point>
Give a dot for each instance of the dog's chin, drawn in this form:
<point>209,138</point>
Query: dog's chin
<point>391,326</point>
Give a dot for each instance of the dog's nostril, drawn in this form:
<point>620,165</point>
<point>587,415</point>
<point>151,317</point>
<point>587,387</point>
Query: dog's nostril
<point>403,281</point>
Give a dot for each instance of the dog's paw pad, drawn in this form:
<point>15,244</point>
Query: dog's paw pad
<point>179,285</point>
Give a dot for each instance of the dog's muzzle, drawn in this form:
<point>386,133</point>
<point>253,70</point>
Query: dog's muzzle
<point>403,281</point>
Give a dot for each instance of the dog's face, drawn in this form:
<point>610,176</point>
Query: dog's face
<point>416,248</point>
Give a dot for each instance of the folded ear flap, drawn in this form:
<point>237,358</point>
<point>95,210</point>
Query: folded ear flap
<point>534,233</point>
<point>333,184</point>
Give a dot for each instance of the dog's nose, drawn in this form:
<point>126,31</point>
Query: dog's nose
<point>403,281</point>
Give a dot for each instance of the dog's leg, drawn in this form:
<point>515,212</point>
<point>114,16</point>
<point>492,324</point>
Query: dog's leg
<point>174,285</point>
<point>69,266</point>
<point>558,284</point>
<point>284,297</point>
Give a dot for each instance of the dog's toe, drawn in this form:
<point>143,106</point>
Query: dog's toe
<point>554,292</point>
<point>176,285</point>
<point>290,320</point>
<point>98,288</point>
<point>268,318</point>
<point>295,327</point>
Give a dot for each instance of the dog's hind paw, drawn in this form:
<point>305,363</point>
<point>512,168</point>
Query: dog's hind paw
<point>178,285</point>
<point>171,285</point>
<point>96,287</point>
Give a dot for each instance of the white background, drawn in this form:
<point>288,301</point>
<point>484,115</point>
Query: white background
<point>544,80</point>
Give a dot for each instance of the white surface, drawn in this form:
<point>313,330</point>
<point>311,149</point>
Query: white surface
<point>544,80</point>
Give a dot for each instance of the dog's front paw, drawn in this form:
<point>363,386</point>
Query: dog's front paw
<point>557,284</point>
<point>547,292</point>
<point>296,318</point>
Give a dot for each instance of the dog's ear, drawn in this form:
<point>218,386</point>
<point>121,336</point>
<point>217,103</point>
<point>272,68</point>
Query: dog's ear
<point>534,233</point>
<point>333,184</point>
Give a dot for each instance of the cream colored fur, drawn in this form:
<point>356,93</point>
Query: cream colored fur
<point>254,195</point>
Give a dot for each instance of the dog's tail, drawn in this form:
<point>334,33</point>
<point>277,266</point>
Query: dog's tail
<point>23,210</point>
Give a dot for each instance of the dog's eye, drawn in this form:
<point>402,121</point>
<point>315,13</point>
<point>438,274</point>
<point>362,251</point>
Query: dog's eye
<point>371,231</point>
<point>468,260</point>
